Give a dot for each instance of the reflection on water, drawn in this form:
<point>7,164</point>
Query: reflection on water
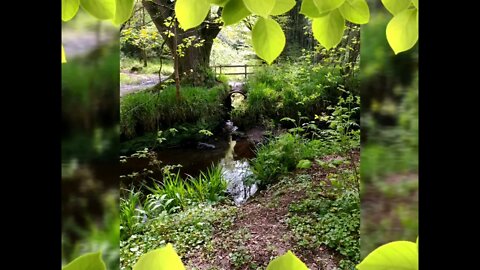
<point>236,171</point>
<point>231,155</point>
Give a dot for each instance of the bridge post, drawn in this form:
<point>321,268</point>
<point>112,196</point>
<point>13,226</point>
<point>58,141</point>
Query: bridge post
<point>245,71</point>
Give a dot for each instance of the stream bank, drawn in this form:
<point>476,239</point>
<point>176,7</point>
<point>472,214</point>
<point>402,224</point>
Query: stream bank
<point>249,236</point>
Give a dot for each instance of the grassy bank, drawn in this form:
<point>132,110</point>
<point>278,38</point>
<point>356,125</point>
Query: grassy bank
<point>145,111</point>
<point>275,92</point>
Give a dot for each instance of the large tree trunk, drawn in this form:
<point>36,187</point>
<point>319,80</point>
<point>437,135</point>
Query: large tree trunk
<point>193,66</point>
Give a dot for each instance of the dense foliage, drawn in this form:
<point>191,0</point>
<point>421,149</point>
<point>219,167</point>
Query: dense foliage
<point>149,111</point>
<point>282,91</point>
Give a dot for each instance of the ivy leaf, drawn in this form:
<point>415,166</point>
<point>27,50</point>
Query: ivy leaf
<point>415,3</point>
<point>310,10</point>
<point>327,5</point>
<point>402,30</point>
<point>89,261</point>
<point>356,11</point>
<point>234,11</point>
<point>396,6</point>
<point>282,6</point>
<point>398,255</point>
<point>191,13</point>
<point>304,164</point>
<point>328,29</point>
<point>100,9</point>
<point>64,58</point>
<point>123,11</point>
<point>268,39</point>
<point>69,9</point>
<point>220,3</point>
<point>160,259</point>
<point>262,8</point>
<point>288,261</point>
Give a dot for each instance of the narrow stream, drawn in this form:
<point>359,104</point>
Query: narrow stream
<point>232,155</point>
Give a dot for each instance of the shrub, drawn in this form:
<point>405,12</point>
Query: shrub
<point>281,91</point>
<point>281,155</point>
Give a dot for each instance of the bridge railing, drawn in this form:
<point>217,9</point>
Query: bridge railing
<point>219,69</point>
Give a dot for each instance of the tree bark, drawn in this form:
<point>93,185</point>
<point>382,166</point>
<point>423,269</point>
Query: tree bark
<point>193,67</point>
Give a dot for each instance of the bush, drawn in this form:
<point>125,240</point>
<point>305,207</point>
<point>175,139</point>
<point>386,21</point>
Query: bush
<point>145,111</point>
<point>275,92</point>
<point>282,155</point>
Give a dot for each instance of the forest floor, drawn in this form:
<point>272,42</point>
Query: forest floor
<point>261,232</point>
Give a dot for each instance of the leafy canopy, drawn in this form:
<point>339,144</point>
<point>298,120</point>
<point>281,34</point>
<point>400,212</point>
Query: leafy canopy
<point>328,18</point>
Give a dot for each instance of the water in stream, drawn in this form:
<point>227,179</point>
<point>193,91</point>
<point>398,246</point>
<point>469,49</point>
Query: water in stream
<point>231,155</point>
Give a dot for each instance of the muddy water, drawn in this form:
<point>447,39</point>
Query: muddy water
<point>231,155</point>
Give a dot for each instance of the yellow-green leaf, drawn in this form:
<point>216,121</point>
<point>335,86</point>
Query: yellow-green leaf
<point>64,58</point>
<point>288,261</point>
<point>191,13</point>
<point>356,11</point>
<point>69,9</point>
<point>123,11</point>
<point>260,7</point>
<point>415,3</point>
<point>234,11</point>
<point>221,3</point>
<point>396,6</point>
<point>328,29</point>
<point>160,259</point>
<point>398,255</point>
<point>402,30</point>
<point>268,39</point>
<point>327,5</point>
<point>282,6</point>
<point>89,261</point>
<point>100,9</point>
<point>310,10</point>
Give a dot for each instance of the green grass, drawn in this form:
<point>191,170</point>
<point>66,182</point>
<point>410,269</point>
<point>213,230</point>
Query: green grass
<point>126,63</point>
<point>148,112</point>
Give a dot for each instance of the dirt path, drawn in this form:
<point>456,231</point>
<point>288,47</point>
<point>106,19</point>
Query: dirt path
<point>260,233</point>
<point>138,82</point>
